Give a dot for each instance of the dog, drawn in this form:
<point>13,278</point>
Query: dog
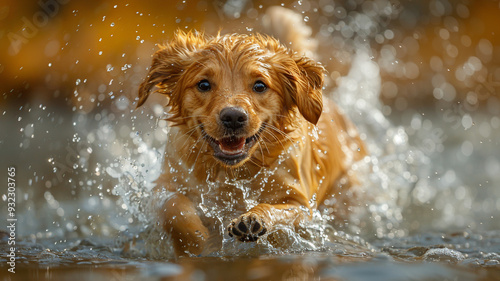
<point>239,104</point>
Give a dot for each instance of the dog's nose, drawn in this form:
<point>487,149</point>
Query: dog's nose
<point>233,117</point>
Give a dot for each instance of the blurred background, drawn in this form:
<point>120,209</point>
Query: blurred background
<point>430,52</point>
<point>69,73</point>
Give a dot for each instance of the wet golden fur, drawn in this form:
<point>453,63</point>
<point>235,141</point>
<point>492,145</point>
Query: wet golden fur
<point>290,118</point>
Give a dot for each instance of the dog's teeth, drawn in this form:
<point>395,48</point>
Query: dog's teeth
<point>232,146</point>
<point>230,152</point>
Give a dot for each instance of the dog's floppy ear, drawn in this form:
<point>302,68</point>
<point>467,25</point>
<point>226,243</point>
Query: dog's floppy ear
<point>302,80</point>
<point>308,96</point>
<point>168,64</point>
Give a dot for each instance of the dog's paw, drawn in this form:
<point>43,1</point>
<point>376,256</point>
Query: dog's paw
<point>247,228</point>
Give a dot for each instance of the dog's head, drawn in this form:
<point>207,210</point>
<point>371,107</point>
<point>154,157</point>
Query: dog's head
<point>230,90</point>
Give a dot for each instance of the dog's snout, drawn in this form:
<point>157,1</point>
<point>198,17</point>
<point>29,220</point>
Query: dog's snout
<point>233,117</point>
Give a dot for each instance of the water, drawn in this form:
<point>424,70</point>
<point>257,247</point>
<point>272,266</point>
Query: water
<point>104,221</point>
<point>85,172</point>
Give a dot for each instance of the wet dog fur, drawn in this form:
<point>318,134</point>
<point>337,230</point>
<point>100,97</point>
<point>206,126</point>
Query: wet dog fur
<point>237,104</point>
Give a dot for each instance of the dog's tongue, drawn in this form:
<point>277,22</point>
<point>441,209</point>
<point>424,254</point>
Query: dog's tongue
<point>232,145</point>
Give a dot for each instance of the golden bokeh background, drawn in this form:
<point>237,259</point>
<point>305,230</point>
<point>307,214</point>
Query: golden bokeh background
<point>85,53</point>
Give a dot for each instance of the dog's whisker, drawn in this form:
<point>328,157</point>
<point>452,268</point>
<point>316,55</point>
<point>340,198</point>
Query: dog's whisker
<point>198,155</point>
<point>194,116</point>
<point>274,128</point>
<point>192,148</point>
<point>262,152</point>
<point>185,132</point>
<point>264,141</point>
<point>249,173</point>
<point>189,117</point>
<point>255,163</point>
<point>285,136</point>
<point>183,146</point>
<point>190,132</point>
<point>275,137</point>
<point>229,170</point>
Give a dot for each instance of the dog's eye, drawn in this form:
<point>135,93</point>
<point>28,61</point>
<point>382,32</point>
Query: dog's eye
<point>259,87</point>
<point>204,86</point>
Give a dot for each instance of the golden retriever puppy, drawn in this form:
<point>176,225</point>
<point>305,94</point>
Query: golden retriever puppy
<point>241,104</point>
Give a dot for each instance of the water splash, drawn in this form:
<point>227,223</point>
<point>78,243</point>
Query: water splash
<point>387,178</point>
<point>136,172</point>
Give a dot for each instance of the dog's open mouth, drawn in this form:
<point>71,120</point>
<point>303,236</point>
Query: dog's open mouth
<point>232,145</point>
<point>233,149</point>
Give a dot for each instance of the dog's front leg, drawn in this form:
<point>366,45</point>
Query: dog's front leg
<point>179,218</point>
<point>261,219</point>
